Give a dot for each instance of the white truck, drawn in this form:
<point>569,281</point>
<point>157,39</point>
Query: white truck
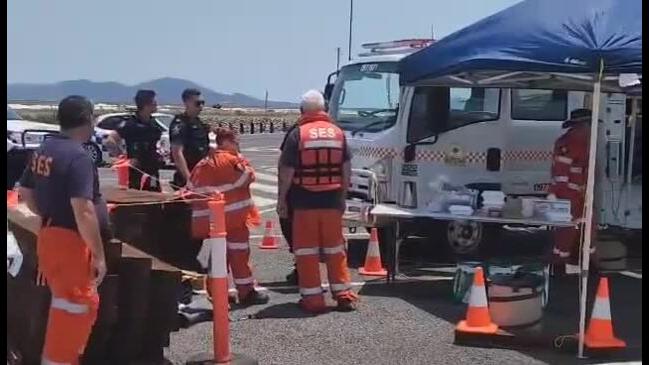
<point>406,140</point>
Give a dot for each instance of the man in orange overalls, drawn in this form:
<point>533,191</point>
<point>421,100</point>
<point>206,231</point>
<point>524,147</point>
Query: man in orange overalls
<point>314,165</point>
<point>226,171</point>
<point>61,185</point>
<point>569,176</point>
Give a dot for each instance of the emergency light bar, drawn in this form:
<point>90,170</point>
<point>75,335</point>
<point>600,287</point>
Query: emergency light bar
<point>395,47</point>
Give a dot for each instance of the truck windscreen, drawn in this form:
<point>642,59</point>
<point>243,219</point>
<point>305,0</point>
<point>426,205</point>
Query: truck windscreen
<point>366,96</point>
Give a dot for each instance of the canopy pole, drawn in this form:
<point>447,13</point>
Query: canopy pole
<point>588,214</point>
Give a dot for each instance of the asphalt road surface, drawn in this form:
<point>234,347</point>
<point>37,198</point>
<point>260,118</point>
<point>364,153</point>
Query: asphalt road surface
<point>411,321</point>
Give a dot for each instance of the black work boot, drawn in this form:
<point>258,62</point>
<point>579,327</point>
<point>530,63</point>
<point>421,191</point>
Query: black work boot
<point>254,297</point>
<point>292,277</point>
<point>347,302</point>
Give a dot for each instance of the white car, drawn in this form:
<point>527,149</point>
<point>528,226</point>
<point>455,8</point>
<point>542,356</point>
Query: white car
<point>109,122</point>
<point>23,137</point>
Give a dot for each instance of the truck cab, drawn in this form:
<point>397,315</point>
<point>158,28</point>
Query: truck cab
<point>408,140</point>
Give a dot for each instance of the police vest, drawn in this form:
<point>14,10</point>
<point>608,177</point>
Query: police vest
<point>321,152</point>
<point>196,142</point>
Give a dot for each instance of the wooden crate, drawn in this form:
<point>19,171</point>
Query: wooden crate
<point>139,290</point>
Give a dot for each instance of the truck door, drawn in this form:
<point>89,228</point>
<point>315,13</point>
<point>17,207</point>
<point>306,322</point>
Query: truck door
<point>532,122</point>
<point>615,199</point>
<point>453,136</point>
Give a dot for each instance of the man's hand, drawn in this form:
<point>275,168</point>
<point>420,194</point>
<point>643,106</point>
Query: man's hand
<point>99,268</point>
<point>282,211</point>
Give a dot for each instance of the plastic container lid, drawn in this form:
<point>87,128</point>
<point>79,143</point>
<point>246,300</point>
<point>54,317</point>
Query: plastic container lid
<point>518,280</point>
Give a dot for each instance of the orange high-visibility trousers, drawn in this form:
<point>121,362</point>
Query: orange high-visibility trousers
<point>316,230</point>
<point>238,254</point>
<point>567,240</point>
<point>64,260</point>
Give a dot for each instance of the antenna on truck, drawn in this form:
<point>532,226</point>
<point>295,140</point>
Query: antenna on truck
<point>351,17</point>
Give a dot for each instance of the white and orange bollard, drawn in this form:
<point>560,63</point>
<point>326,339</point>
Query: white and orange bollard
<point>122,167</point>
<point>218,284</point>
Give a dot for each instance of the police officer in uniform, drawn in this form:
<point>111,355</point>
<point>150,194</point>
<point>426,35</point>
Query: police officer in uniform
<point>141,134</point>
<point>189,137</point>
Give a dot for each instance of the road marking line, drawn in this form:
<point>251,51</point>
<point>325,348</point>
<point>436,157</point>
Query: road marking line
<point>261,202</point>
<point>631,274</point>
<point>265,188</point>
<point>266,177</point>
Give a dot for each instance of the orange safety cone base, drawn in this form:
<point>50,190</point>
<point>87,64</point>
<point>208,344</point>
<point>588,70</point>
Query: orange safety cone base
<point>237,359</point>
<point>268,246</point>
<point>381,272</point>
<point>609,343</point>
<point>491,328</point>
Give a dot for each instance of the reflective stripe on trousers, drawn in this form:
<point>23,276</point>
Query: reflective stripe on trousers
<point>45,361</point>
<point>315,231</point>
<point>239,205</point>
<point>66,305</point>
<point>238,253</point>
<point>64,259</point>
<point>228,208</point>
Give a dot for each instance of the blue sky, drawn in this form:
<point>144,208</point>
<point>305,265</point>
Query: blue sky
<point>247,46</point>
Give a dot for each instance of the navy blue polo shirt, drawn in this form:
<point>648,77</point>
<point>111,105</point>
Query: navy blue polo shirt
<point>59,170</point>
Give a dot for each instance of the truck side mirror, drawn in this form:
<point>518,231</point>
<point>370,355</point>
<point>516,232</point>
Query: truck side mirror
<point>327,91</point>
<point>409,153</point>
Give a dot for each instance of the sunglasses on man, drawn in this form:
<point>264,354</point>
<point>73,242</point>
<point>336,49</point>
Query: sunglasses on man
<point>199,103</point>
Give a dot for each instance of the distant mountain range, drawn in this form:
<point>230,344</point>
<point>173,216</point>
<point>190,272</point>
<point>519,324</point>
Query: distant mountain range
<point>168,91</point>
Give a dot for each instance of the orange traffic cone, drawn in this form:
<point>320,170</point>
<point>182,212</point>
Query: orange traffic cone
<point>269,242</point>
<point>599,334</point>
<point>373,266</point>
<point>478,319</point>
<point>12,198</point>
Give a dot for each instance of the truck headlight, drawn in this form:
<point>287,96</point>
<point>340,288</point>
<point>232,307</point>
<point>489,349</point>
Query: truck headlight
<point>383,171</point>
<point>14,137</point>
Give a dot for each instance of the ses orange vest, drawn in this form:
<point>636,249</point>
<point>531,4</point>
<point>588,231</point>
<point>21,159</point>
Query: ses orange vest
<point>321,154</point>
<point>227,173</point>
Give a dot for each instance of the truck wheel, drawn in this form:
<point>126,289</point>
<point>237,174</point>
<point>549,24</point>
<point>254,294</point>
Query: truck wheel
<point>464,237</point>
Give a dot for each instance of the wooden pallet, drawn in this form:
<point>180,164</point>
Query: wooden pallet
<point>138,300</point>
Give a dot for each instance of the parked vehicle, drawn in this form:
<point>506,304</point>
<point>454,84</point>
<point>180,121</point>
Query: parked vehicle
<point>407,140</point>
<point>109,122</point>
<point>25,136</point>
